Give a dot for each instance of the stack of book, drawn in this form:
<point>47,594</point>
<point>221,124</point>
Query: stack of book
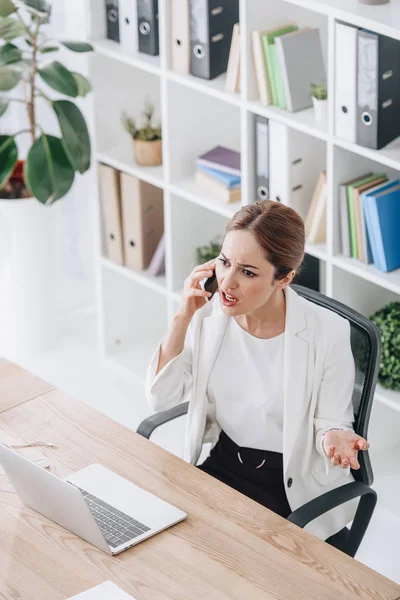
<point>218,172</point>
<point>370,220</point>
<point>287,61</point>
<point>315,222</point>
<point>367,91</point>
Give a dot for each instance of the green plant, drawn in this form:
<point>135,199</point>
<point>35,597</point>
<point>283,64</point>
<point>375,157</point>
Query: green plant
<point>388,322</point>
<point>51,162</point>
<point>147,133</point>
<point>208,251</point>
<point>319,91</point>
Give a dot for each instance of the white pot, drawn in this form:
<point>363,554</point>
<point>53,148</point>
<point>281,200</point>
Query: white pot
<point>30,240</point>
<point>320,110</point>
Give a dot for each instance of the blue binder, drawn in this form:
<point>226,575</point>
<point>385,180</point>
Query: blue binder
<point>382,214</point>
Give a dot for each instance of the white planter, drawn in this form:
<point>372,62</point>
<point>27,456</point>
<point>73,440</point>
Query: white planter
<point>320,110</point>
<point>30,240</point>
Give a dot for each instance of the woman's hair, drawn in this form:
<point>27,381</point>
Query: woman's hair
<point>278,229</point>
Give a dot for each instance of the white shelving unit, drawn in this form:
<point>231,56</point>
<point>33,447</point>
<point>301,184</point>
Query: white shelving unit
<point>135,309</point>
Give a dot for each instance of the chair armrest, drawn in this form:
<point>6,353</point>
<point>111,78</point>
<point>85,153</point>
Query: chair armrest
<point>322,504</point>
<point>147,426</point>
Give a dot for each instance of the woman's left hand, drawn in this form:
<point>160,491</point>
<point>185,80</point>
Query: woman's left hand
<point>342,446</point>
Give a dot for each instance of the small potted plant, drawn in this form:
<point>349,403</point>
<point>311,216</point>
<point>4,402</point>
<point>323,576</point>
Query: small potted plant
<point>146,139</point>
<point>208,251</point>
<point>319,97</point>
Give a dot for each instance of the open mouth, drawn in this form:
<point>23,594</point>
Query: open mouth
<point>228,299</point>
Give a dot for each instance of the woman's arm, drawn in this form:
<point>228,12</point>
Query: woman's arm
<point>334,408</point>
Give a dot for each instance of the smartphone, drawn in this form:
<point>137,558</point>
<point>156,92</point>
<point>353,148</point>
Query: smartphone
<point>211,285</point>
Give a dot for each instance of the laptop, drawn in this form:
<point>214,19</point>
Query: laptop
<point>95,503</point>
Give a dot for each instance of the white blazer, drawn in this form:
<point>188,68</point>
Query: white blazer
<point>318,383</point>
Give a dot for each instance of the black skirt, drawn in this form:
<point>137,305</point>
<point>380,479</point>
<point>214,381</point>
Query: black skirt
<point>257,474</point>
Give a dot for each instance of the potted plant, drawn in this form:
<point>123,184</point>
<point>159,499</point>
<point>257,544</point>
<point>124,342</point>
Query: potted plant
<point>208,251</point>
<point>319,97</point>
<point>146,139</point>
<point>36,169</point>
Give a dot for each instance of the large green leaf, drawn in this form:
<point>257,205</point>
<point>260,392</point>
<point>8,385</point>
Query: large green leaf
<point>6,8</point>
<point>9,54</point>
<point>47,170</point>
<point>10,29</point>
<point>78,46</point>
<point>75,134</point>
<point>84,85</point>
<point>3,106</point>
<point>8,158</point>
<point>9,78</point>
<point>59,78</point>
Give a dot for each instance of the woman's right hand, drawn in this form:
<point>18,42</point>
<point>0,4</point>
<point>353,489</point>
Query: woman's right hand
<point>194,297</point>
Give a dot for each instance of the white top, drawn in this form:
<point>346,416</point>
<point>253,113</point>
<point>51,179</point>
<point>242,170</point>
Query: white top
<point>246,384</point>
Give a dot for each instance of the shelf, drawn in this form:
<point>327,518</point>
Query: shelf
<point>303,120</point>
<point>121,158</point>
<point>389,281</point>
<point>388,156</point>
<point>158,284</point>
<point>317,250</point>
<point>212,87</point>
<point>189,190</point>
<point>384,19</point>
<point>139,60</point>
<point>389,398</point>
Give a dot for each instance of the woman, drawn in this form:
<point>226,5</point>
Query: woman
<point>269,375</point>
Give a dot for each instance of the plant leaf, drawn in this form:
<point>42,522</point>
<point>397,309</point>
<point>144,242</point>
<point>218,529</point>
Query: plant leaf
<point>39,8</point>
<point>84,85</point>
<point>8,158</point>
<point>6,8</point>
<point>59,78</point>
<point>9,54</point>
<point>3,106</point>
<point>10,29</point>
<point>48,49</point>
<point>47,170</point>
<point>78,46</point>
<point>28,41</point>
<point>9,78</point>
<point>75,135</point>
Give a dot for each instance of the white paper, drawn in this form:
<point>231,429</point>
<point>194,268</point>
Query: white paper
<point>104,591</point>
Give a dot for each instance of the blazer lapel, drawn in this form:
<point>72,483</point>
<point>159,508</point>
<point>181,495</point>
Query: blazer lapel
<point>294,372</point>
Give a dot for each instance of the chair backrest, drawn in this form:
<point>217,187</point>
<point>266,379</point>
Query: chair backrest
<point>366,348</point>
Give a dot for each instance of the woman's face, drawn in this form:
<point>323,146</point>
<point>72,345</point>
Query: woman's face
<point>243,274</point>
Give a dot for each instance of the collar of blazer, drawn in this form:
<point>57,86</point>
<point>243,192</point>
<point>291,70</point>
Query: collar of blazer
<point>296,400</point>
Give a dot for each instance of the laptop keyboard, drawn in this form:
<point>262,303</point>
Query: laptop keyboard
<point>117,527</point>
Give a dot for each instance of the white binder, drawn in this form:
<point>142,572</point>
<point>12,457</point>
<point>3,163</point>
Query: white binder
<point>127,26</point>
<point>180,38</point>
<point>345,81</point>
<point>295,163</point>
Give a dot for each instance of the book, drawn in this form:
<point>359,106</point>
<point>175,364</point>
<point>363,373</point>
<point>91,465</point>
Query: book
<point>352,221</point>
<point>313,204</point>
<point>221,158</point>
<point>232,83</point>
<point>317,228</point>
<point>157,263</point>
<point>260,66</point>
<point>275,77</point>
<point>344,215</point>
<point>230,181</point>
<point>358,214</point>
<point>217,189</point>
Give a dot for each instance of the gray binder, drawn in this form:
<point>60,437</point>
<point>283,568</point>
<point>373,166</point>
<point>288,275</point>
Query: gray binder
<point>262,157</point>
<point>378,89</point>
<point>211,27</point>
<point>301,63</point>
<point>147,15</point>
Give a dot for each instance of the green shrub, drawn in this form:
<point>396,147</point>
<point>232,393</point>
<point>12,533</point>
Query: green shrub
<point>388,322</point>
<point>208,251</point>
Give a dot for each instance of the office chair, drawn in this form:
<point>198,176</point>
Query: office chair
<point>366,348</point>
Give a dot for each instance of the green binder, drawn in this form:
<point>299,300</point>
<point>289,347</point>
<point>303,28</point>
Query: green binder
<point>273,68</point>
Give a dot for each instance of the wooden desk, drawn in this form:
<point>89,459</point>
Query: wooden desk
<point>229,547</point>
<point>18,386</point>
